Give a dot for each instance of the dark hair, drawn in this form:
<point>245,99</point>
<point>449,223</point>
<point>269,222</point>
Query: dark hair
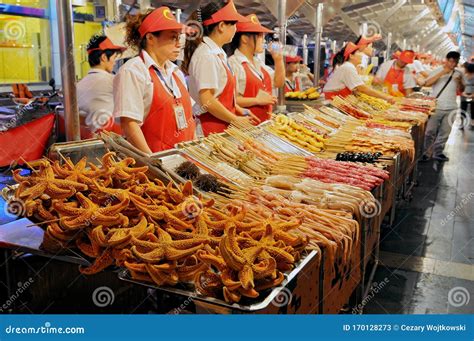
<point>132,33</point>
<point>358,40</point>
<point>339,57</point>
<point>94,56</point>
<point>201,14</point>
<point>453,55</point>
<point>235,44</point>
<point>469,67</point>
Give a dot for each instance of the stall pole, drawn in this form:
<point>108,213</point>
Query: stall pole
<point>281,107</point>
<point>68,70</point>
<point>389,45</point>
<point>305,49</point>
<point>317,43</point>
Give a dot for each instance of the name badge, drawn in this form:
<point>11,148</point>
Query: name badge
<point>180,117</point>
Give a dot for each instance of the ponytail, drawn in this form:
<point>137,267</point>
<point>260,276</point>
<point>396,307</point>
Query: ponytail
<point>132,34</point>
<point>200,15</point>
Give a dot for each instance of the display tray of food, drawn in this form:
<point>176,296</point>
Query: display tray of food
<point>268,299</point>
<point>204,154</point>
<point>277,143</point>
<point>181,168</point>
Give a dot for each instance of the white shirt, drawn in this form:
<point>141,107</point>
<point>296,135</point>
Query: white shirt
<point>95,98</point>
<point>344,76</point>
<point>206,71</point>
<point>235,62</point>
<point>133,86</point>
<point>417,66</point>
<point>447,99</point>
<point>408,79</point>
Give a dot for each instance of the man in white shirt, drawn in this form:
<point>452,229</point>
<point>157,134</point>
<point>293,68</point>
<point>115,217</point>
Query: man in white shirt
<point>95,90</point>
<point>446,80</point>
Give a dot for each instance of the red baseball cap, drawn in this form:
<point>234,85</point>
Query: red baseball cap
<point>226,13</point>
<point>367,41</point>
<point>350,49</point>
<point>407,56</point>
<point>295,59</point>
<point>160,19</point>
<point>253,25</point>
<point>107,44</point>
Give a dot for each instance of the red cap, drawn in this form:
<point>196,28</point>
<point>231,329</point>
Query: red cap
<point>107,44</point>
<point>226,13</point>
<point>160,19</point>
<point>253,25</point>
<point>350,49</point>
<point>367,41</point>
<point>295,59</point>
<point>407,56</point>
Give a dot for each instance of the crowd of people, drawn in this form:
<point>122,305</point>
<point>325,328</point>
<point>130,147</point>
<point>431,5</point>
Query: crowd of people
<point>156,102</point>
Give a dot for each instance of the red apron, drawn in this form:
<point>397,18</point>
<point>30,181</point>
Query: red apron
<point>160,128</point>
<point>341,93</point>
<point>290,88</point>
<point>211,124</point>
<point>252,86</point>
<point>396,77</point>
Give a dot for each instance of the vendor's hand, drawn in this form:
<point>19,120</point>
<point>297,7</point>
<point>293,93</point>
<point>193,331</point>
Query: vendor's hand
<point>242,121</point>
<point>392,100</point>
<point>264,98</point>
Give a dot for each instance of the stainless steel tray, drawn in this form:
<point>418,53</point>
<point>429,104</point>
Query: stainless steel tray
<point>211,169</point>
<point>252,305</point>
<point>76,150</point>
<point>276,143</point>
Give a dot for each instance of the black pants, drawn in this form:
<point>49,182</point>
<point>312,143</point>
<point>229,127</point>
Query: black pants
<point>464,107</point>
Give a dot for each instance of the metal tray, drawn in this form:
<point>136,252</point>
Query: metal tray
<point>171,158</point>
<point>208,167</point>
<point>276,143</point>
<point>76,150</point>
<point>187,291</point>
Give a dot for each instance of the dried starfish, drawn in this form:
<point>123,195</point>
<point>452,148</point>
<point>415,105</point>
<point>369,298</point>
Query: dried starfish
<point>244,260</point>
<point>45,182</point>
<point>100,263</point>
<point>77,172</point>
<point>121,169</point>
<point>90,213</point>
<point>201,230</point>
<point>236,216</point>
<point>117,237</point>
<point>163,247</point>
<point>188,269</point>
<point>161,277</point>
<point>268,245</point>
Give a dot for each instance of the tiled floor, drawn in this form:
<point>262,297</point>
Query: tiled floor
<point>428,254</point>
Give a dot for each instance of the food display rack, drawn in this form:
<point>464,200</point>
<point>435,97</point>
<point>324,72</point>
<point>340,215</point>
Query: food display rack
<point>298,105</point>
<point>298,294</point>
